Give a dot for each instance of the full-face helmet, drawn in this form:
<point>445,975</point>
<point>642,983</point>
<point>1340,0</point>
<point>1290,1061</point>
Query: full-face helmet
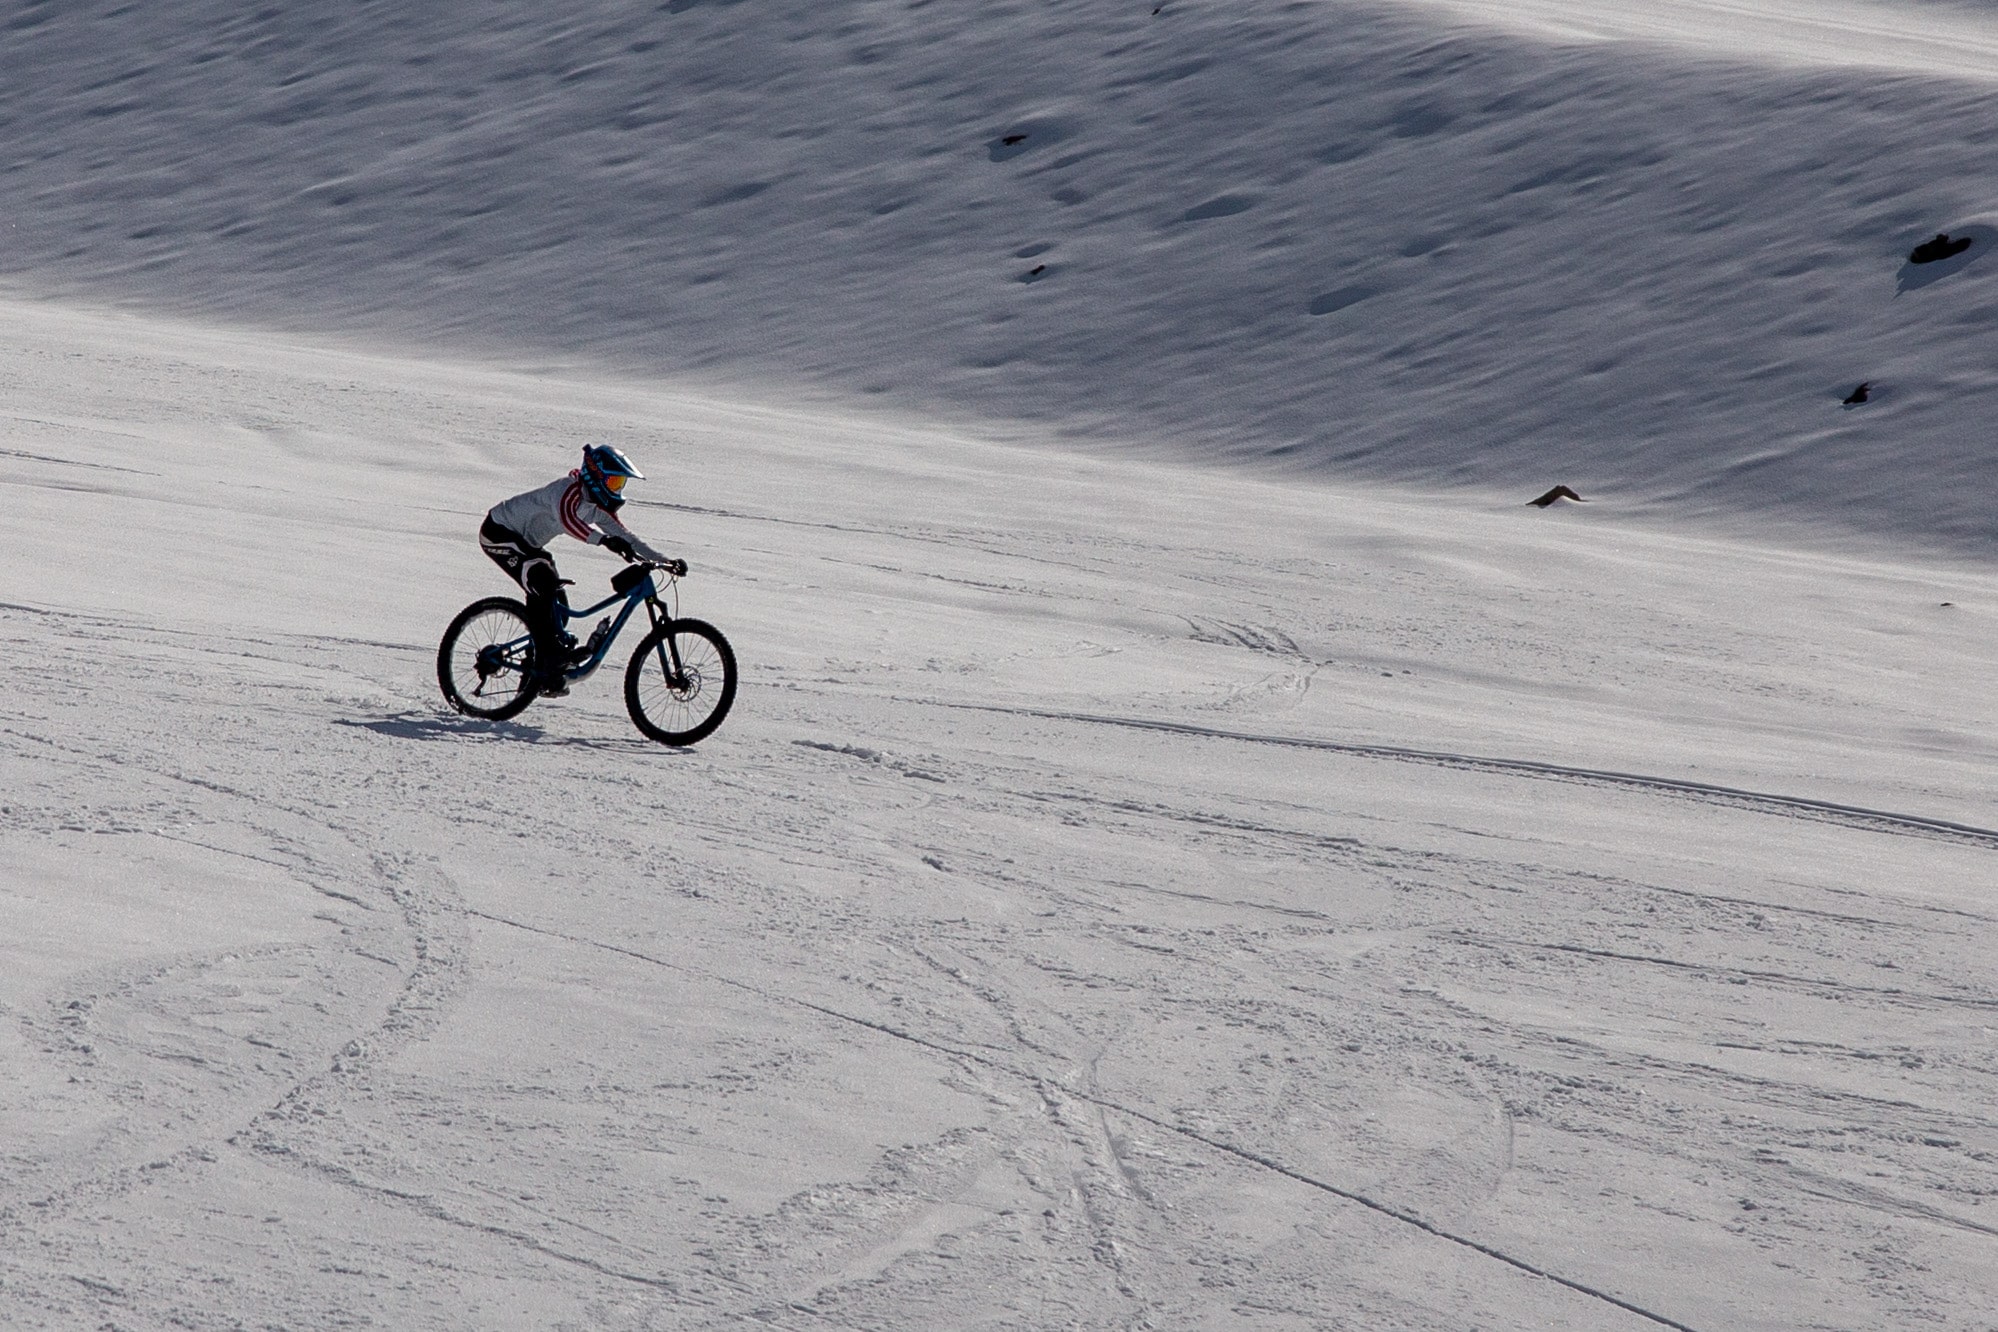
<point>604,473</point>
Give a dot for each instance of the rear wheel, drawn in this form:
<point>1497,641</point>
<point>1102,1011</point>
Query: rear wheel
<point>681,682</point>
<point>485,664</point>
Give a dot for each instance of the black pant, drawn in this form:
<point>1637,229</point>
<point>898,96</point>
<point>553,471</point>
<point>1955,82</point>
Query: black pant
<point>534,569</point>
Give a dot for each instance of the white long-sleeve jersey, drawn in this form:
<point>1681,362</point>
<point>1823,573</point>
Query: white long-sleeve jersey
<point>561,506</point>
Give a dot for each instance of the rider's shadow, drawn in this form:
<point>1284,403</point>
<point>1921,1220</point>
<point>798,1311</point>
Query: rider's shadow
<point>422,726</point>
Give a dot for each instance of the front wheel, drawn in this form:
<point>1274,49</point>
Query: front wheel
<point>680,682</point>
<point>485,665</point>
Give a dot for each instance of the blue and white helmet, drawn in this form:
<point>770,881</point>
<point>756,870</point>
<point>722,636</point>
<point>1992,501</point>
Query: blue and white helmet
<point>604,473</point>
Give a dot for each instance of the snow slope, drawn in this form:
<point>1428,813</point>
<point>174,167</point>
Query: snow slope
<point>1950,38</point>
<point>1140,899</point>
<point>1132,891</point>
<point>1333,239</point>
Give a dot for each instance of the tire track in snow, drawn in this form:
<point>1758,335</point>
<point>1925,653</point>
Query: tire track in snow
<point>414,917</point>
<point>425,1203</point>
<point>1244,1154</point>
<point>1787,806</point>
<point>1812,984</point>
<point>414,920</point>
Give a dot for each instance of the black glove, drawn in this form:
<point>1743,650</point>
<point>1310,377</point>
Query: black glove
<point>678,568</point>
<point>617,545</point>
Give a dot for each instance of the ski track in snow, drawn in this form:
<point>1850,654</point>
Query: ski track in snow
<point>1786,806</point>
<point>1148,1117</point>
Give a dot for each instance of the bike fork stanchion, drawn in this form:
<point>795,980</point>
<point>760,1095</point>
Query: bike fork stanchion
<point>669,658</point>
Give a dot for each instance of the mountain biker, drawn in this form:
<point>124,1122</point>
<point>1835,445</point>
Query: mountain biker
<point>584,504</point>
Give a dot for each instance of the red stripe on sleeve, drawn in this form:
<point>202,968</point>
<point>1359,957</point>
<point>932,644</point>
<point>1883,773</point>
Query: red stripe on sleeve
<point>572,521</point>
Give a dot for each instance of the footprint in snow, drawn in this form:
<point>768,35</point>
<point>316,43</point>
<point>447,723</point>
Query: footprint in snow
<point>1331,302</point>
<point>1225,205</point>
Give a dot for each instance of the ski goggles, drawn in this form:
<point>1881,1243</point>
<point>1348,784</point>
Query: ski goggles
<point>615,483</point>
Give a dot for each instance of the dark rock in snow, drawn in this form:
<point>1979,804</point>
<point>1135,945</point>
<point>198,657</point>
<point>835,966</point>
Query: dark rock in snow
<point>1858,395</point>
<point>1942,247</point>
<point>1558,493</point>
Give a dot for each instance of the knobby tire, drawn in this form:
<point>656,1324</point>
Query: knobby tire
<point>500,693</point>
<point>687,710</point>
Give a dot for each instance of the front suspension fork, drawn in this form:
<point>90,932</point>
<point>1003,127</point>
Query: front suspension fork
<point>669,658</point>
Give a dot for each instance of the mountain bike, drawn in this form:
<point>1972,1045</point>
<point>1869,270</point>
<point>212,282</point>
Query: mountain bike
<point>678,686</point>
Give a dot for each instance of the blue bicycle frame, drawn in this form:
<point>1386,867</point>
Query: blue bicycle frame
<point>678,686</point>
<point>639,592</point>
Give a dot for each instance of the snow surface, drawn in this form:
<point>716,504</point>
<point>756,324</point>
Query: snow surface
<point>1339,240</point>
<point>1955,38</point>
<point>1193,848</point>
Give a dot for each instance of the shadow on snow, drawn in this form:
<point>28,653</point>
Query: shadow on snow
<point>427,726</point>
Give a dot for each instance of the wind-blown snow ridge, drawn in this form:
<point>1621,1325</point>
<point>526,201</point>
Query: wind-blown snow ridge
<point>1333,240</point>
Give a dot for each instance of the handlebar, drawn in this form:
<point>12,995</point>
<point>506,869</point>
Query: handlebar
<point>677,568</point>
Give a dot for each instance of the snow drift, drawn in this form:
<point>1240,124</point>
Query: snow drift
<point>1342,240</point>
